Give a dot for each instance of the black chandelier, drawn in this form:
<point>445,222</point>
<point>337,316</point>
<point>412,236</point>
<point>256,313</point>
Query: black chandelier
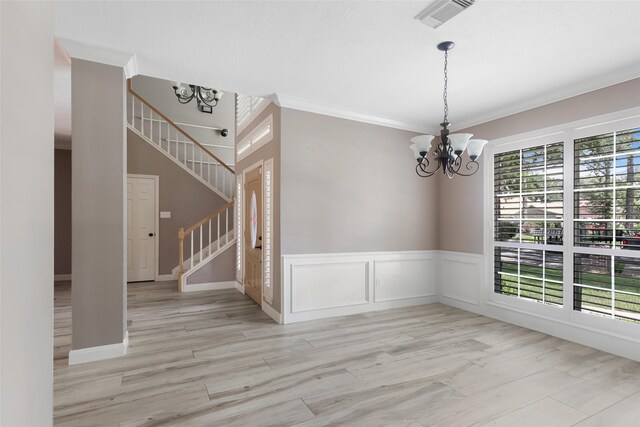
<point>206,98</point>
<point>448,152</point>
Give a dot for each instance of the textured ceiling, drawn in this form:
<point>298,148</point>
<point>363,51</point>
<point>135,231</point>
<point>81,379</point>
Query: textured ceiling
<point>373,57</point>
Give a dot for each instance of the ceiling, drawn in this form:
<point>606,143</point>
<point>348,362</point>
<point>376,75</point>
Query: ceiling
<point>372,58</point>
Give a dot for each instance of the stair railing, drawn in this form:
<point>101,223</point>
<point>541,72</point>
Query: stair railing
<point>172,139</point>
<point>204,238</point>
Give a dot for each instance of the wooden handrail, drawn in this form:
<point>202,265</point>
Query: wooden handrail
<point>208,217</point>
<point>172,123</point>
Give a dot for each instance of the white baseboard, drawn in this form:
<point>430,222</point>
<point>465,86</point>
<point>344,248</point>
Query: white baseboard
<point>317,286</point>
<point>212,286</point>
<point>166,277</point>
<point>93,354</point>
<point>61,277</point>
<point>271,312</point>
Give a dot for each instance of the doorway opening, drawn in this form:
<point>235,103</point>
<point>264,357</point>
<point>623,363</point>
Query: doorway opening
<point>142,227</point>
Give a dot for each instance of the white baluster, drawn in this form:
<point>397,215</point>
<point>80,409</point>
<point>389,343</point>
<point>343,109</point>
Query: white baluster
<point>218,232</point>
<point>209,245</point>
<point>200,243</point>
<point>226,227</point>
<point>191,248</point>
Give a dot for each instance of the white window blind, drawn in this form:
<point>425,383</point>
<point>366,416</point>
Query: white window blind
<point>247,110</point>
<point>258,137</point>
<point>528,223</point>
<point>607,225</point>
<point>268,231</point>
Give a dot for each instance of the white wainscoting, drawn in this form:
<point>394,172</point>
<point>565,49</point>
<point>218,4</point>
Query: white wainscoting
<point>460,278</point>
<point>327,285</point>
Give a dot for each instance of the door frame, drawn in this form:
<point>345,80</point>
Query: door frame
<point>245,172</point>
<point>156,179</point>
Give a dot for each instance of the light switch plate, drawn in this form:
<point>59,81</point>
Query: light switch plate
<point>165,214</point>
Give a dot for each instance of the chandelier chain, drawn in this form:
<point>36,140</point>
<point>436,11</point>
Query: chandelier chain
<point>444,95</point>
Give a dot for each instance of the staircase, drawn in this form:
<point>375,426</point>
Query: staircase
<point>211,236</point>
<point>174,142</point>
<point>204,241</point>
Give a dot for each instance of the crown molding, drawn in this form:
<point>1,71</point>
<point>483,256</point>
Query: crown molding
<point>601,82</point>
<point>295,103</point>
<point>87,52</point>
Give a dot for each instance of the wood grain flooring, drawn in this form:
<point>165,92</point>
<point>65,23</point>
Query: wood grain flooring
<point>214,358</point>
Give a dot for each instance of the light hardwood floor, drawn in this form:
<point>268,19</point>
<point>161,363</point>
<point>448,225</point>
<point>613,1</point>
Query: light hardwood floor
<point>214,359</point>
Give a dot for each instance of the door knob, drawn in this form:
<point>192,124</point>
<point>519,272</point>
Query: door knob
<point>151,234</point>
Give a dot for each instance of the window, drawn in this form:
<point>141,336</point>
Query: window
<point>528,223</point>
<point>607,224</point>
<point>602,220</point>
<point>247,110</point>
<point>261,135</point>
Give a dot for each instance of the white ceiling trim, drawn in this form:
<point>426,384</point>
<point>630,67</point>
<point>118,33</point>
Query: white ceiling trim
<point>86,52</point>
<point>625,74</point>
<point>286,101</point>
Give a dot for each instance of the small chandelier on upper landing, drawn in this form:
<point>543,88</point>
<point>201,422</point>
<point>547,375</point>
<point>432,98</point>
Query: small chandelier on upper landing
<point>206,98</point>
<point>448,152</point>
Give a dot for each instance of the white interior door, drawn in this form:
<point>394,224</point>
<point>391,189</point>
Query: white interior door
<point>141,229</point>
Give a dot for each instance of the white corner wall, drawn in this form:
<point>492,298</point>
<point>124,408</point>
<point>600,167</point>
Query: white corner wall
<point>26,214</point>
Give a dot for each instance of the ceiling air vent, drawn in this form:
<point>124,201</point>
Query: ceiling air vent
<point>440,11</point>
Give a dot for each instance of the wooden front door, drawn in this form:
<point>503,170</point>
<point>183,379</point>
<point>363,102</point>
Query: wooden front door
<point>253,235</point>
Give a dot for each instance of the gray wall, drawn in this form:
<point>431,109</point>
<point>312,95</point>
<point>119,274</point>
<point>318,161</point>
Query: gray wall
<point>160,93</point>
<point>188,199</point>
<point>62,215</point>
<point>271,150</point>
<point>99,300</point>
<point>351,187</point>
<point>220,269</point>
<point>462,199</point>
<point>26,214</point>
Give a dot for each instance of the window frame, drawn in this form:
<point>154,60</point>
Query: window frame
<point>565,133</point>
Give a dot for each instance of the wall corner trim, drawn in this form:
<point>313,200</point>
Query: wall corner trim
<point>87,52</point>
<point>103,352</point>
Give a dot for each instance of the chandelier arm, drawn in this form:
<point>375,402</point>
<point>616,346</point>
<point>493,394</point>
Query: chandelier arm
<point>185,99</point>
<point>472,166</point>
<point>201,98</point>
<point>421,168</point>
